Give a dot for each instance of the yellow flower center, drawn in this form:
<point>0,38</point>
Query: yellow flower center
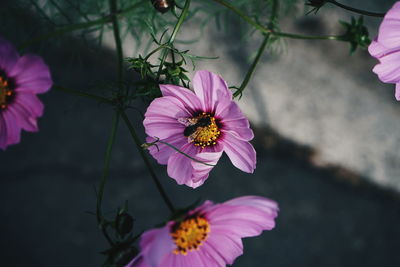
<point>5,93</point>
<point>202,130</point>
<point>190,234</point>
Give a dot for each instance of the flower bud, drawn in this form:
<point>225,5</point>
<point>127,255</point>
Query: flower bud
<point>163,6</point>
<point>123,223</point>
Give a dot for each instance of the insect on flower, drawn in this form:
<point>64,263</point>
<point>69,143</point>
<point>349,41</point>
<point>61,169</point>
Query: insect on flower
<point>162,5</point>
<point>202,124</point>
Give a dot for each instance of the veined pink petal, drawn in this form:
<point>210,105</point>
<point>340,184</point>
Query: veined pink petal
<point>389,34</point>
<point>8,55</point>
<point>3,133</point>
<point>137,262</point>
<point>241,153</point>
<point>13,131</point>
<point>397,94</point>
<point>243,221</point>
<point>161,118</point>
<point>30,102</point>
<point>228,247</point>
<point>201,170</point>
<point>162,152</point>
<point>233,119</point>
<point>210,88</point>
<point>23,118</point>
<point>31,75</point>
<point>389,68</point>
<point>266,205</point>
<point>156,244</point>
<point>180,167</point>
<point>185,96</point>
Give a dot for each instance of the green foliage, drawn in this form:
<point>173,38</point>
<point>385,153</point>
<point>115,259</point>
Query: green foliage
<point>356,34</point>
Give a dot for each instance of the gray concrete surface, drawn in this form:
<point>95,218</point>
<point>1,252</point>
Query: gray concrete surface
<point>314,93</point>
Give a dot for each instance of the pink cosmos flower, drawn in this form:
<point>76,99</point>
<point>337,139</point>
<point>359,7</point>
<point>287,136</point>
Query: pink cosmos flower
<point>386,48</point>
<point>202,124</point>
<point>21,78</point>
<point>209,236</point>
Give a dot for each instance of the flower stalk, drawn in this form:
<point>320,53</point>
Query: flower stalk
<point>356,10</point>
<point>106,171</point>
<point>153,175</point>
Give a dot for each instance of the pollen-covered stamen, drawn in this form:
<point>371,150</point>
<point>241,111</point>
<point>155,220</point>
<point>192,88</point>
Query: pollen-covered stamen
<point>190,234</point>
<point>202,130</point>
<point>5,93</point>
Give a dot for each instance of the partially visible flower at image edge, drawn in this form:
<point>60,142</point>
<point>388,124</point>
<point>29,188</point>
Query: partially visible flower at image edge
<point>386,48</point>
<point>21,78</point>
<point>203,124</point>
<point>208,236</point>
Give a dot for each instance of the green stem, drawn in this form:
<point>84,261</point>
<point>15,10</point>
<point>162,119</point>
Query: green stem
<point>80,93</point>
<point>146,161</point>
<point>243,16</point>
<point>356,10</point>
<point>274,14</point>
<point>253,66</point>
<point>178,25</point>
<point>263,29</point>
<point>80,26</point>
<point>106,171</point>
<point>308,37</point>
<point>117,38</point>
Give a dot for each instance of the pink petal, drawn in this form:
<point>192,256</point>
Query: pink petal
<point>243,221</point>
<point>31,75</point>
<point>211,89</point>
<point>377,50</point>
<point>155,245</point>
<point>228,247</point>
<point>266,205</point>
<point>3,133</point>
<point>161,117</point>
<point>185,96</point>
<point>8,55</point>
<point>241,153</point>
<point>180,167</point>
<point>24,118</point>
<point>30,102</point>
<point>389,34</point>
<point>192,259</point>
<point>213,255</point>
<point>389,68</point>
<point>397,94</point>
<point>201,170</point>
<point>232,119</point>
<point>162,152</point>
<point>137,262</point>
<point>12,130</point>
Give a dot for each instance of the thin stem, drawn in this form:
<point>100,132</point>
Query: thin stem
<point>146,161</point>
<point>309,37</point>
<point>243,16</point>
<point>356,10</point>
<point>274,14</point>
<point>106,171</point>
<point>178,25</point>
<point>253,66</point>
<point>117,38</point>
<point>263,29</point>
<point>80,26</point>
<point>80,93</point>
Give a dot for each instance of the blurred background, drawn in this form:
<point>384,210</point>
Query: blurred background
<point>326,134</point>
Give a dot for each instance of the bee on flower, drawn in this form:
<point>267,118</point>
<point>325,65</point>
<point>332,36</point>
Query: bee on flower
<point>203,124</point>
